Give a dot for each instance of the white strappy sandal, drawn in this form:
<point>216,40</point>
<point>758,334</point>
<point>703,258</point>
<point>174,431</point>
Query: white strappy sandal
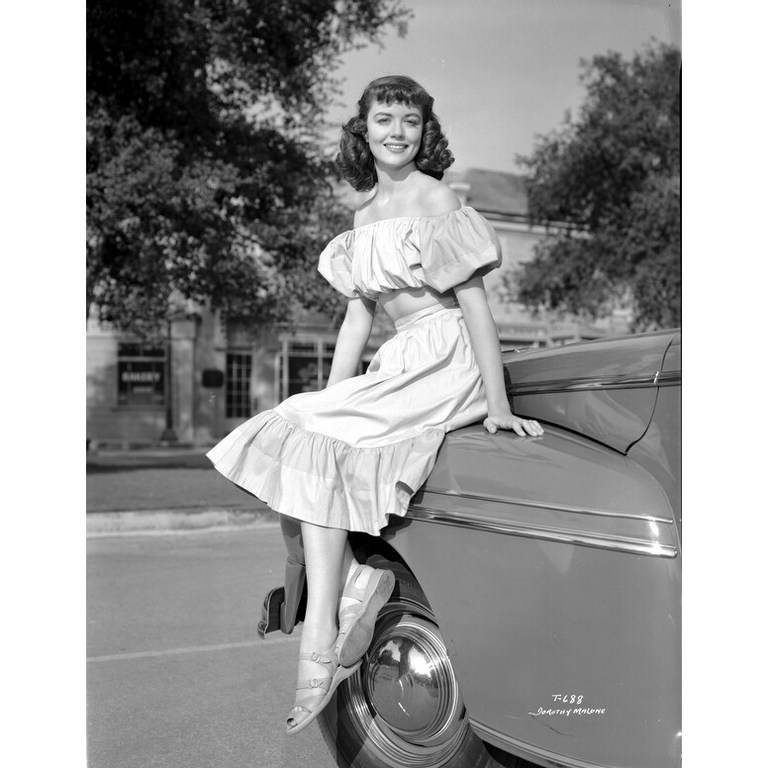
<point>300,715</point>
<point>357,621</point>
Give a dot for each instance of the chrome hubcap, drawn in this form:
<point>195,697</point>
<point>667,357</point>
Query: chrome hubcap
<point>405,700</point>
<point>410,683</point>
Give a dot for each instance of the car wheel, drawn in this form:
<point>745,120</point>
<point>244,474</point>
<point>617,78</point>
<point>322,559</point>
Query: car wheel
<point>403,706</point>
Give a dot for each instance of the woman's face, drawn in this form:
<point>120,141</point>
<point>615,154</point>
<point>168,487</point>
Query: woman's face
<point>394,133</point>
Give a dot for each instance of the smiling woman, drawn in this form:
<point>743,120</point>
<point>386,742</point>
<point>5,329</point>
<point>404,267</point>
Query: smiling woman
<point>346,458</point>
<point>394,124</point>
<point>394,129</point>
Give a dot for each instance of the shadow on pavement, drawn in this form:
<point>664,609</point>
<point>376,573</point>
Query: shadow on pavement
<point>129,462</point>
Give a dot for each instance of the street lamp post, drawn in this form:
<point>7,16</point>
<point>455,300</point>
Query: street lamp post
<point>169,433</point>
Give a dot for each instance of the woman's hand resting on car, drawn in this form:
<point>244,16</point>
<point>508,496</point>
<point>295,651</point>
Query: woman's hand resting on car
<point>508,420</point>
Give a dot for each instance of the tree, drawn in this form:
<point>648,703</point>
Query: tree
<point>611,180</point>
<point>206,178</point>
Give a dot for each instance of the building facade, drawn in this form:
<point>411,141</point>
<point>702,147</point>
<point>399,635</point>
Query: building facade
<point>207,376</point>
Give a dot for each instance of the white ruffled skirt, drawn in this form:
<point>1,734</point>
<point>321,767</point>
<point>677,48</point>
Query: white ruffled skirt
<point>354,453</point>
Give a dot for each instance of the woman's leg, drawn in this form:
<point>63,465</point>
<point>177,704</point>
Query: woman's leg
<point>325,550</point>
<point>291,529</point>
<point>348,565</point>
<point>324,555</point>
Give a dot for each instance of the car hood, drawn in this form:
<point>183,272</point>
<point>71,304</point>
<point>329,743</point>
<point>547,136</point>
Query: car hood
<point>603,389</point>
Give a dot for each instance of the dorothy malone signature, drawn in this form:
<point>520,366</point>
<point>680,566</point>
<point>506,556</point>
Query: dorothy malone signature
<point>568,705</point>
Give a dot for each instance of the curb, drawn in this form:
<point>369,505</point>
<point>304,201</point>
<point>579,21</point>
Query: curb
<point>176,520</point>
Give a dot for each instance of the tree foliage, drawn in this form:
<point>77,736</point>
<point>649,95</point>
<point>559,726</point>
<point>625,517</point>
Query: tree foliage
<point>612,175</point>
<point>206,178</point>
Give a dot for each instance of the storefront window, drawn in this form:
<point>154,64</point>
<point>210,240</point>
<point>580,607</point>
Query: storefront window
<point>238,393</point>
<point>308,365</point>
<point>302,367</point>
<point>140,374</point>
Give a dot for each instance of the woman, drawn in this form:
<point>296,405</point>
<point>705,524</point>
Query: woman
<point>345,458</point>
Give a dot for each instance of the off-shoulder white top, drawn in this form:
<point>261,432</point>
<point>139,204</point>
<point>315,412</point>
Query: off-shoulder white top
<point>410,252</point>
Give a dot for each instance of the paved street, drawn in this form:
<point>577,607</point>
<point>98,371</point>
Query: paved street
<point>177,676</point>
<point>159,479</point>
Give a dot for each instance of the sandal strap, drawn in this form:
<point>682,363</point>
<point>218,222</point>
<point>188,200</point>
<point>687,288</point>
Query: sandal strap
<point>351,590</point>
<point>314,682</point>
<point>359,568</point>
<point>325,657</point>
<point>329,660</point>
<point>346,618</point>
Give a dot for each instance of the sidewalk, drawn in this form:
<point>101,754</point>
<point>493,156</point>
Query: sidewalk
<point>156,489</point>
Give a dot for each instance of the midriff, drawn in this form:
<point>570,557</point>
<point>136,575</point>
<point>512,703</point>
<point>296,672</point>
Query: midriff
<point>405,301</point>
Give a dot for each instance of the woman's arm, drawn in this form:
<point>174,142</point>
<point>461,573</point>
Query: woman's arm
<point>485,343</point>
<point>352,338</point>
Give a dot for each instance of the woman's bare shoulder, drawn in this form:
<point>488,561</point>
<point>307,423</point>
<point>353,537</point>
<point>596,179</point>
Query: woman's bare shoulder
<point>427,197</point>
<point>363,213</point>
<point>437,198</point>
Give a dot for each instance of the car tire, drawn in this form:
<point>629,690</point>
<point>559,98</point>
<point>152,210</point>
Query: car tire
<point>403,706</point>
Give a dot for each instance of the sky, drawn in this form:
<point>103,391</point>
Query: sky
<point>502,71</point>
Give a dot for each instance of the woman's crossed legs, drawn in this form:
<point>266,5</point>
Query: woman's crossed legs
<point>337,586</point>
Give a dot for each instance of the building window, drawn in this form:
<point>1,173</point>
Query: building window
<point>304,366</point>
<point>140,374</point>
<point>238,394</point>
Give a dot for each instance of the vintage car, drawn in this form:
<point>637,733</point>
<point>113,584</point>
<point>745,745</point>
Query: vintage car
<point>536,615</point>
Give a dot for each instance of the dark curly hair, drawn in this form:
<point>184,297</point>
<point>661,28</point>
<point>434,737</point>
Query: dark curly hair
<point>355,161</point>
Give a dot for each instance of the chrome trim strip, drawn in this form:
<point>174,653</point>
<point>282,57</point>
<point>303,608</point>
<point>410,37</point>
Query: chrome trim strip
<point>590,383</point>
<point>668,378</point>
<point>553,507</point>
<point>529,751</point>
<point>505,527</point>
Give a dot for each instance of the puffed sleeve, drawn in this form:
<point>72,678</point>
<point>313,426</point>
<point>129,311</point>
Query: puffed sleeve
<point>456,246</point>
<point>335,265</point>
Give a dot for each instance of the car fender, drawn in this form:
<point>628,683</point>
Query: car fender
<point>553,567</point>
